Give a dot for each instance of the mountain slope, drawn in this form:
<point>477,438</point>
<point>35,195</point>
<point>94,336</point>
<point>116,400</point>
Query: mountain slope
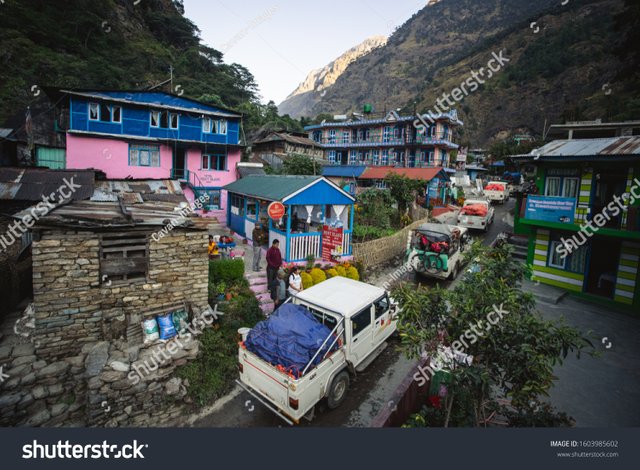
<point>109,44</point>
<point>557,73</point>
<point>310,91</point>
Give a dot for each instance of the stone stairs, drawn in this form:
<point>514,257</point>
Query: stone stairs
<point>521,247</point>
<point>258,284</point>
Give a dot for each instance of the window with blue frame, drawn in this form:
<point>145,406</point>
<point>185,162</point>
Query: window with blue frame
<point>388,132</point>
<point>213,203</point>
<point>332,156</point>
<point>332,136</point>
<point>105,113</point>
<point>385,158</point>
<point>214,162</point>
<point>214,126</point>
<point>144,155</point>
<point>345,137</point>
<point>164,120</point>
<point>561,182</point>
<point>376,157</point>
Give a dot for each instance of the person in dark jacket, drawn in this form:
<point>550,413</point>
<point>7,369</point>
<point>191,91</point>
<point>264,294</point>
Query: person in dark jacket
<point>274,261</point>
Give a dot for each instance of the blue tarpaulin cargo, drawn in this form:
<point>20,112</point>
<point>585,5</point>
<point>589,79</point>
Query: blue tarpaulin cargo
<point>289,338</point>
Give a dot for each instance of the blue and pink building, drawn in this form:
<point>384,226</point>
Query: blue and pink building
<point>148,135</point>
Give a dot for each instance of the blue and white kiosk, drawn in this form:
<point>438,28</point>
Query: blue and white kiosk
<point>316,209</point>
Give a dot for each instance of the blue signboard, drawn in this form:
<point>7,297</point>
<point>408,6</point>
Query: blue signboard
<point>551,209</point>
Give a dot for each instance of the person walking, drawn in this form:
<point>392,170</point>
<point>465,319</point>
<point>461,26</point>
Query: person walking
<point>278,290</point>
<point>256,236</point>
<point>295,282</point>
<point>274,261</point>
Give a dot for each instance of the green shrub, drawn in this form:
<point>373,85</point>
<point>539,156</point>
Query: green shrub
<point>212,374</point>
<point>226,270</point>
<point>352,273</point>
<point>341,271</point>
<point>318,276</point>
<point>307,280</point>
<point>331,273</point>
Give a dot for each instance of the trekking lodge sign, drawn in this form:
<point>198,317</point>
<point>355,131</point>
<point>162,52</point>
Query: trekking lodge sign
<point>276,210</point>
<point>331,242</point>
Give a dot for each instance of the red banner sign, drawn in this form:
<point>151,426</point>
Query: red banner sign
<point>331,239</point>
<point>276,210</point>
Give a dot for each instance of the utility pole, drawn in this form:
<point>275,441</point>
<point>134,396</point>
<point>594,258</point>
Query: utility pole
<point>171,77</point>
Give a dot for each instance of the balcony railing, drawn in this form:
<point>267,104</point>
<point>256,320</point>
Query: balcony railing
<point>443,138</point>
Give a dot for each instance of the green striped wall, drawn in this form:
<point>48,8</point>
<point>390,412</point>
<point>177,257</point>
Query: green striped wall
<point>584,197</point>
<point>625,214</point>
<point>546,275</point>
<point>627,273</point>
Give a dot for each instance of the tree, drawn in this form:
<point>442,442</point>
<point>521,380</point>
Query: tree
<point>300,165</point>
<point>512,359</point>
<point>375,208</point>
<point>403,190</point>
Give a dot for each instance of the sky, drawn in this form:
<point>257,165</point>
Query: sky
<point>281,41</point>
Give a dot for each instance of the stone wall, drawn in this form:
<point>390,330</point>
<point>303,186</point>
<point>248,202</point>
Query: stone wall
<point>73,307</point>
<point>85,363</point>
<point>382,250</point>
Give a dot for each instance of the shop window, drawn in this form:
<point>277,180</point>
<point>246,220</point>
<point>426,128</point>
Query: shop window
<point>552,186</point>
<point>555,259</point>
<point>570,187</point>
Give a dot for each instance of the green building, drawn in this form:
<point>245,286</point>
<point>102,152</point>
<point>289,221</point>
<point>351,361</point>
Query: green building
<point>582,220</point>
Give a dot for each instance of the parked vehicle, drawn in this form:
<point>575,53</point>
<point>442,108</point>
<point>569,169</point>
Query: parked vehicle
<point>436,250</point>
<point>476,214</point>
<point>360,318</point>
<point>497,191</point>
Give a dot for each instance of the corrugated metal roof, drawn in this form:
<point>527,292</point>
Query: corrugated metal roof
<point>612,146</point>
<point>108,191</point>
<point>293,139</point>
<point>155,99</point>
<point>250,171</point>
<point>381,172</point>
<point>270,187</point>
<point>124,203</point>
<point>343,171</point>
<point>31,184</point>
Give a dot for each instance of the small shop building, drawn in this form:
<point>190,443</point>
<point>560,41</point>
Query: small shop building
<point>317,218</point>
<point>583,219</point>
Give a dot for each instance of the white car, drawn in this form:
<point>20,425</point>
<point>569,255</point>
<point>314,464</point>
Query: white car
<point>441,257</point>
<point>497,191</point>
<point>468,219</point>
<point>361,318</point>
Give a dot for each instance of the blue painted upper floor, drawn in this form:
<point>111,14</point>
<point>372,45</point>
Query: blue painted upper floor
<point>152,115</point>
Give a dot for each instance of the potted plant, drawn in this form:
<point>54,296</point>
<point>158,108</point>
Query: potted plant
<point>220,290</point>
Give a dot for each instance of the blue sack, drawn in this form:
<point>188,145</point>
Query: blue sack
<point>289,338</point>
<point>165,325</point>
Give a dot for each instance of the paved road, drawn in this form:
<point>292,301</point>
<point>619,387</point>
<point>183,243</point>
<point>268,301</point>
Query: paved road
<point>368,393</point>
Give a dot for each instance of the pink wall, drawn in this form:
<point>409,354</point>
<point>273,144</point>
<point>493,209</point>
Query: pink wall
<point>112,157</point>
<point>214,179</point>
